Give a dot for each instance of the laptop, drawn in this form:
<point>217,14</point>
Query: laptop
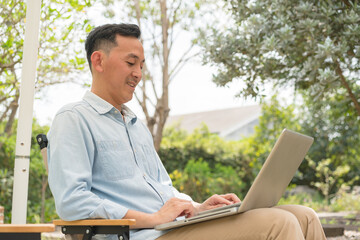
<point>268,186</point>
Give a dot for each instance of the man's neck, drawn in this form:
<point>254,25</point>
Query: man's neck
<point>104,97</point>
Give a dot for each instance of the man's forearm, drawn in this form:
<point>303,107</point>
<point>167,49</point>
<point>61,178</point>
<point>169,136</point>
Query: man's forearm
<point>143,220</point>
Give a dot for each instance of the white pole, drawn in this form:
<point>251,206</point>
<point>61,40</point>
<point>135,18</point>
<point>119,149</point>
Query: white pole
<point>27,89</point>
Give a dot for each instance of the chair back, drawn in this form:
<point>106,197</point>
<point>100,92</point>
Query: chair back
<point>43,142</point>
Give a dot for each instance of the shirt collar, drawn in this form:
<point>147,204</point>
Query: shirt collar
<point>99,104</point>
<point>102,106</point>
<point>128,113</point>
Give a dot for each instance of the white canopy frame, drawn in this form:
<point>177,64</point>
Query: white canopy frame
<point>24,128</point>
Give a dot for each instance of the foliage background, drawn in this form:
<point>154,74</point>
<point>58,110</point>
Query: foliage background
<point>41,206</point>
<point>310,46</point>
<point>329,172</point>
<point>306,45</point>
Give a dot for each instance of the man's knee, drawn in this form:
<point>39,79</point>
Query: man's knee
<point>284,218</point>
<point>277,223</point>
<point>286,226</point>
<point>301,212</point>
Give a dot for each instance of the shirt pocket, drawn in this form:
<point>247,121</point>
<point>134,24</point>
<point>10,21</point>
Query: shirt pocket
<point>117,161</point>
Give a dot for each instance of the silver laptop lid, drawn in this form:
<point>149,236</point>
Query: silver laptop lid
<point>277,171</point>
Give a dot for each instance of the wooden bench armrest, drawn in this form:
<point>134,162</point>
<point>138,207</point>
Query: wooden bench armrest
<point>26,228</point>
<point>96,222</point>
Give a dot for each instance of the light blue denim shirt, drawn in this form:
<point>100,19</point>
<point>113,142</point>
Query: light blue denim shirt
<point>101,166</point>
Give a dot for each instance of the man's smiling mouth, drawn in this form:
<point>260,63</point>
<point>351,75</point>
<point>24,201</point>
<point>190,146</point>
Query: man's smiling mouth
<point>132,84</point>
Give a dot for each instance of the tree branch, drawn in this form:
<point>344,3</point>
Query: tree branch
<point>5,113</point>
<point>182,61</point>
<point>3,99</point>
<point>346,85</point>
<point>347,3</point>
<point>173,23</point>
<point>156,47</point>
<point>151,79</point>
<point>174,73</point>
<point>138,14</point>
<point>7,65</point>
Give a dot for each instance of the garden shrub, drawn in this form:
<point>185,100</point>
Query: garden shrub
<point>200,181</point>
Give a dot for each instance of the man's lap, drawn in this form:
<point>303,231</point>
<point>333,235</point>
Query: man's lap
<point>257,222</point>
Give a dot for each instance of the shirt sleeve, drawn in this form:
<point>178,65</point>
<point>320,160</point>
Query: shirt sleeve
<point>71,153</point>
<point>181,195</point>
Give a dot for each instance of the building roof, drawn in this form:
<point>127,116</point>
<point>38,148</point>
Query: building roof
<point>222,121</point>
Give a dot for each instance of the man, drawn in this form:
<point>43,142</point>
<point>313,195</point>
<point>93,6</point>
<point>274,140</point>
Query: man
<point>102,162</point>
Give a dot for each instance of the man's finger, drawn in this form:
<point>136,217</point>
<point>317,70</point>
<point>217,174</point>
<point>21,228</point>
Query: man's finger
<point>231,197</point>
<point>220,199</point>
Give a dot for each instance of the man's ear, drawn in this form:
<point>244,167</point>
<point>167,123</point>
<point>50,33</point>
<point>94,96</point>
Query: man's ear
<point>97,58</point>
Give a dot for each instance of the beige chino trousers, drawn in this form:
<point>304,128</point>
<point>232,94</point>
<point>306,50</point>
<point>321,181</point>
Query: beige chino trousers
<point>288,222</point>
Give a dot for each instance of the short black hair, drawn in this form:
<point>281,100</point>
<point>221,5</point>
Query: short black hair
<point>104,37</point>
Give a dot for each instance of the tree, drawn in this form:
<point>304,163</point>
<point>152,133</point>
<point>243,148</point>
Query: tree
<point>161,22</point>
<point>309,45</point>
<point>58,58</point>
<point>336,147</point>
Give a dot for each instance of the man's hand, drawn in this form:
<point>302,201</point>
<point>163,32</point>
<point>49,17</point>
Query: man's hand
<point>176,207</point>
<point>172,209</point>
<point>216,201</point>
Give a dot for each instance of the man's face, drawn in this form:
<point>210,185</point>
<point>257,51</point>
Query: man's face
<point>122,69</point>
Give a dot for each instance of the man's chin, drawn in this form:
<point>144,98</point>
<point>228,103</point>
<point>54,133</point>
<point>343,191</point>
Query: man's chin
<point>128,99</point>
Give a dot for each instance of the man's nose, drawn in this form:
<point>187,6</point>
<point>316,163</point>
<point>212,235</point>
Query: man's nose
<point>137,73</point>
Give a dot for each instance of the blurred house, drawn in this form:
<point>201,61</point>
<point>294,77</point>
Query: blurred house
<point>231,124</point>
